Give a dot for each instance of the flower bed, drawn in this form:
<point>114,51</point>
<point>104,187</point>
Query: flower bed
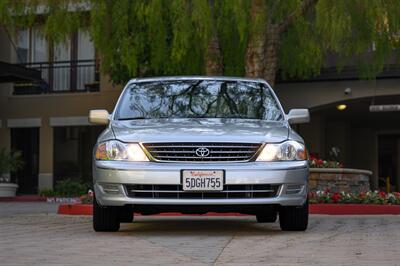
<point>316,162</point>
<point>322,202</point>
<point>370,197</point>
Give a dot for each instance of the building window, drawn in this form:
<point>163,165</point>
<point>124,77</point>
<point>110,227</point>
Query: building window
<point>66,66</point>
<point>32,46</point>
<point>22,46</point>
<point>62,71</point>
<point>85,54</point>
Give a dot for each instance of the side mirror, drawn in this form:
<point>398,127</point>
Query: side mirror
<point>298,116</point>
<point>99,117</point>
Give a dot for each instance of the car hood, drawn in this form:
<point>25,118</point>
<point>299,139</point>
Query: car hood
<point>200,130</point>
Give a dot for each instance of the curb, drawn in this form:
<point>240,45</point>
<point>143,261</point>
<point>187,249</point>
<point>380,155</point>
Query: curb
<point>329,209</point>
<point>354,209</point>
<point>75,209</point>
<point>36,198</point>
<point>31,198</point>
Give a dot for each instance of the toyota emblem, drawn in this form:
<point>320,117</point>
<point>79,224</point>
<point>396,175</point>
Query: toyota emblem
<point>202,152</point>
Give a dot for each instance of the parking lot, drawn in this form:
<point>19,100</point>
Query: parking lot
<point>41,237</point>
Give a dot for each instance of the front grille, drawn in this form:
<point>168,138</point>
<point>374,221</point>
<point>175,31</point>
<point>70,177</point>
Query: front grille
<point>176,192</point>
<point>186,152</point>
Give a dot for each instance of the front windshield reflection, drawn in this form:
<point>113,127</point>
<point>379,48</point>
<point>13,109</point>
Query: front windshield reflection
<point>198,99</point>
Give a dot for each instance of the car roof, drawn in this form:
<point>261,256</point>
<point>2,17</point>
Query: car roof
<point>177,78</point>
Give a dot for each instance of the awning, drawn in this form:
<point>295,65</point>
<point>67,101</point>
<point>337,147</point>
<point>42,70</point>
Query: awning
<point>16,73</point>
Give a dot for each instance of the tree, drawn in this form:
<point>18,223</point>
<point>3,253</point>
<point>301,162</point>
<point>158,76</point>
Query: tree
<point>271,21</point>
<point>213,57</point>
<point>257,38</point>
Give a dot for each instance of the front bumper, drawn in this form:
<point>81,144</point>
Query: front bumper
<point>117,174</point>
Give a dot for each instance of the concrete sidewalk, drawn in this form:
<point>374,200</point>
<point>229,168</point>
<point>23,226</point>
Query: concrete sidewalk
<point>24,208</point>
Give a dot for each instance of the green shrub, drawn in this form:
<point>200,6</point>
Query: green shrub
<point>70,188</point>
<point>47,192</point>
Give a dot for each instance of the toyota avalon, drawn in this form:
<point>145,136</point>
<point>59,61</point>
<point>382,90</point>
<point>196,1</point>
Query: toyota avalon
<point>199,144</point>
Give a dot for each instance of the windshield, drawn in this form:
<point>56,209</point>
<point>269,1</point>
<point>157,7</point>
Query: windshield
<point>198,99</point>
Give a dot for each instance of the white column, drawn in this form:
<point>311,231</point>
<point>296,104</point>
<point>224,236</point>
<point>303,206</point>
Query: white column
<point>46,157</point>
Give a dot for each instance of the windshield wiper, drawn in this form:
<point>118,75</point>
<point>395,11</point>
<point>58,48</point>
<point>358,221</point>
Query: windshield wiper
<point>142,117</point>
<point>132,118</point>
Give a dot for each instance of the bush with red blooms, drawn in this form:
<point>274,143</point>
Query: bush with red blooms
<point>316,162</point>
<point>370,197</point>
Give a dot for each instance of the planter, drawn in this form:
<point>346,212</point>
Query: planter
<point>27,88</point>
<point>8,189</point>
<point>92,87</point>
<point>339,179</point>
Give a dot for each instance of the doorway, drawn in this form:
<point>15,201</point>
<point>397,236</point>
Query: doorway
<point>73,152</point>
<point>389,161</point>
<point>26,140</point>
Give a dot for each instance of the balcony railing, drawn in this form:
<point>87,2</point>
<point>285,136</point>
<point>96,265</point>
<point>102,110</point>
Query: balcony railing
<point>61,77</point>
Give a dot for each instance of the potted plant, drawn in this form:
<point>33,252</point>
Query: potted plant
<point>10,161</point>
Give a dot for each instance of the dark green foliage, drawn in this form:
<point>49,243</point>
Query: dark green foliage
<point>233,31</point>
<point>66,188</point>
<point>47,192</point>
<point>147,38</point>
<point>70,188</point>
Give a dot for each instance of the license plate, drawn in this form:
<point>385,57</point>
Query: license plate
<point>203,180</point>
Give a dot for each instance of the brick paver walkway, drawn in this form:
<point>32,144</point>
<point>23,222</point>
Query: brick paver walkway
<point>50,239</point>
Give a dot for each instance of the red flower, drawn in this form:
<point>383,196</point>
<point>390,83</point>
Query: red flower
<point>320,162</point>
<point>362,195</point>
<point>327,190</point>
<point>336,197</point>
<point>382,194</point>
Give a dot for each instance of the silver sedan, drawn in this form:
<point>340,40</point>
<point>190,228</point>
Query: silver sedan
<point>199,144</point>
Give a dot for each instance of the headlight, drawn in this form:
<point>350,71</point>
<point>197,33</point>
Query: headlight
<point>114,150</point>
<point>285,151</point>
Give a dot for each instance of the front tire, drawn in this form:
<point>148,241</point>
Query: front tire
<point>294,218</point>
<point>105,219</point>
